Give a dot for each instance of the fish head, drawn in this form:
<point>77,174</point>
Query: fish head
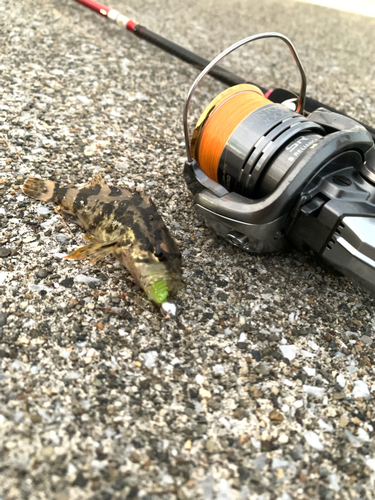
<point>154,265</point>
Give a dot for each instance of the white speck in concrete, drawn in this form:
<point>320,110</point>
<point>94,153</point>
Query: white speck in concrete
<point>334,482</point>
<point>218,369</point>
<point>224,491</point>
<point>360,389</point>
<point>307,354</point>
<point>352,439</point>
<point>363,435</point>
<point>42,210</point>
<point>243,337</point>
<point>278,463</point>
<point>83,99</point>
<point>313,345</point>
<point>313,440</point>
<point>340,379</point>
<point>81,278</point>
<point>150,358</point>
<point>289,351</point>
<point>324,426</point>
<point>3,277</point>
<point>311,372</point>
<point>318,392</point>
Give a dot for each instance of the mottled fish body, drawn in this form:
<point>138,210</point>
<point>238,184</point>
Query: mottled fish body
<point>122,223</point>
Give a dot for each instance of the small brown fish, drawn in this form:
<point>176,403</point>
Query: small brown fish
<point>119,222</point>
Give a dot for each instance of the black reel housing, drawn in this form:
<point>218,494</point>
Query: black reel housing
<point>290,179</point>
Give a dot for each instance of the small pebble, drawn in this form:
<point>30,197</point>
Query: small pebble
<point>204,393</point>
<point>263,369</point>
<point>366,339</point>
<point>42,273</point>
<point>150,359</point>
<point>278,463</point>
<point>5,252</point>
<point>3,319</point>
<point>218,369</point>
<point>275,416</point>
<point>283,439</point>
<point>363,435</point>
<point>343,422</point>
<point>324,426</point>
<point>187,445</point>
<point>67,282</point>
<point>169,309</point>
<point>212,446</point>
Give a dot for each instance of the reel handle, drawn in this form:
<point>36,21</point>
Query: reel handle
<point>213,63</point>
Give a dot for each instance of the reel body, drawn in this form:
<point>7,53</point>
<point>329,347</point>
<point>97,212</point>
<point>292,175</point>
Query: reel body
<point>277,178</point>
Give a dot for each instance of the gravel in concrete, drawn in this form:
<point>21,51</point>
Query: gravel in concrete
<point>262,386</point>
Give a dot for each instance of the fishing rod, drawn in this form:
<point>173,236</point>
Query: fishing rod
<point>218,73</point>
<point>172,48</point>
<point>272,169</point>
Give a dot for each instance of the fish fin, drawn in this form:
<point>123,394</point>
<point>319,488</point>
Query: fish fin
<point>98,179</point>
<point>146,198</point>
<point>39,189</point>
<point>93,251</point>
<point>68,216</point>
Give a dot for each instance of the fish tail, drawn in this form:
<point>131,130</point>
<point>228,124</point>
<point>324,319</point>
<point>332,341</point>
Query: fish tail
<point>40,189</point>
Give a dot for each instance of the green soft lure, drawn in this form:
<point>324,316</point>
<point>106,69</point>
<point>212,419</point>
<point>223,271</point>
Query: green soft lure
<point>159,291</point>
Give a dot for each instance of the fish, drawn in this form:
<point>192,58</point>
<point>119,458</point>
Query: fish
<point>119,222</point>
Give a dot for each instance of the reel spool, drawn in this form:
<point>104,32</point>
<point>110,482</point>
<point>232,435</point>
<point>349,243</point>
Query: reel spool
<point>245,143</point>
<point>265,176</point>
<point>241,132</point>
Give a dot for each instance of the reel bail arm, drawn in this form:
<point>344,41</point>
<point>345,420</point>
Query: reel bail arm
<point>214,62</point>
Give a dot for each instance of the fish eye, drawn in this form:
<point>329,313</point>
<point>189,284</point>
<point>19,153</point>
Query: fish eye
<point>159,254</point>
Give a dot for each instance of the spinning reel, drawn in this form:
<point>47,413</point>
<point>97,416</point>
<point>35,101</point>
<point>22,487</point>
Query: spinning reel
<point>265,176</point>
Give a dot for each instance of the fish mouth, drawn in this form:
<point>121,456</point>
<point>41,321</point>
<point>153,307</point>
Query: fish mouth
<point>157,279</point>
<point>159,290</point>
<point>160,282</point>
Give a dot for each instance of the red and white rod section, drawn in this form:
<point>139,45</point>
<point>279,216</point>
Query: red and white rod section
<point>164,44</point>
<point>112,14</point>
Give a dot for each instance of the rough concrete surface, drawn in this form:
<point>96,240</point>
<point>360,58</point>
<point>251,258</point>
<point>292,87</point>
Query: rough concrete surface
<point>263,386</point>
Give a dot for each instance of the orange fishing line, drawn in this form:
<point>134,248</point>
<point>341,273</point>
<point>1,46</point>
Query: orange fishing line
<point>218,122</point>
